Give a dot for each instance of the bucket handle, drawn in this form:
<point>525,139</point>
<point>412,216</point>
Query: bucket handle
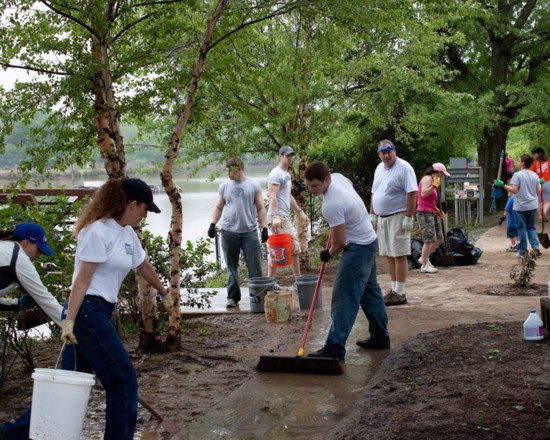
<point>59,358</point>
<point>258,294</point>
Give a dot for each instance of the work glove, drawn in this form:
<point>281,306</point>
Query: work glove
<point>407,224</point>
<point>541,181</point>
<point>325,255</point>
<point>9,305</point>
<point>276,221</point>
<point>168,303</point>
<point>212,230</point>
<point>265,235</point>
<point>436,181</point>
<point>373,220</point>
<point>440,214</point>
<point>498,183</point>
<point>302,216</point>
<point>501,219</point>
<point>67,335</point>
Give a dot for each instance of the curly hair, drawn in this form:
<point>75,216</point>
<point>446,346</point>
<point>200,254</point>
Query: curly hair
<point>109,201</point>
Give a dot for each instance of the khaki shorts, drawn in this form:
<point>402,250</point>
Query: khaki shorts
<point>286,228</point>
<point>430,226</point>
<point>393,241</point>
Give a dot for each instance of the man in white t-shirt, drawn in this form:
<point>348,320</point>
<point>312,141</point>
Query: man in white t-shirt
<point>393,205</point>
<point>355,284</point>
<point>240,199</point>
<point>281,201</point>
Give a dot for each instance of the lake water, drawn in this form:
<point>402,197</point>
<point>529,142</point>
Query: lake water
<point>199,195</point>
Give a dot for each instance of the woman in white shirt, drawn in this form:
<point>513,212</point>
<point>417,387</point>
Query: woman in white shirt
<point>107,249</point>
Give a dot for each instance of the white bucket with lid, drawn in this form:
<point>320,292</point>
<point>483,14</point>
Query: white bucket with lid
<point>59,402</point>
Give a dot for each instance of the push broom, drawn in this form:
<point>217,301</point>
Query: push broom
<point>300,364</point>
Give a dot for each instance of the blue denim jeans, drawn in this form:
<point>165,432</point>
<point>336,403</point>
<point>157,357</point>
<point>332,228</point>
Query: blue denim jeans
<point>356,285</point>
<point>18,430</point>
<point>527,230</point>
<point>232,243</point>
<point>100,350</point>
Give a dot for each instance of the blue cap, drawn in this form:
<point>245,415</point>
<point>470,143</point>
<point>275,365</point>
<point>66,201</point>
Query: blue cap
<point>386,148</point>
<point>286,150</point>
<point>35,234</point>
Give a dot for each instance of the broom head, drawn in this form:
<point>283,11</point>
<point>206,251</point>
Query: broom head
<point>300,365</point>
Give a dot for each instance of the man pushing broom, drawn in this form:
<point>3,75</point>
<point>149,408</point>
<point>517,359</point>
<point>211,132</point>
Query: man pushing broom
<point>355,284</point>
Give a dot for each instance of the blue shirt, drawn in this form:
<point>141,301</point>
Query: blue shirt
<point>510,217</point>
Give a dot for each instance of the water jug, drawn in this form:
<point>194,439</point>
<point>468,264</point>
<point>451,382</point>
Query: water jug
<point>533,327</point>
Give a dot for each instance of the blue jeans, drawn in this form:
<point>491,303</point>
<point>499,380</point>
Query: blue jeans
<point>525,221</point>
<point>100,350</point>
<point>18,430</point>
<point>356,285</point>
<point>232,243</point>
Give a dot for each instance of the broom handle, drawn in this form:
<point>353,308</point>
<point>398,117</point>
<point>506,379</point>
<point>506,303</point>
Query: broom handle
<point>313,302</point>
<point>500,164</point>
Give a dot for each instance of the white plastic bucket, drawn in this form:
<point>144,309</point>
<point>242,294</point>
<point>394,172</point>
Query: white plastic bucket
<point>59,402</point>
<point>277,306</point>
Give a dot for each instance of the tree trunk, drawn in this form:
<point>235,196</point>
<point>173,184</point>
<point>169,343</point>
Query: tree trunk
<point>491,144</point>
<point>173,338</point>
<point>109,137</point>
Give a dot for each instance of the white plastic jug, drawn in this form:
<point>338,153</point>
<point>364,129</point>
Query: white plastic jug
<point>533,327</point>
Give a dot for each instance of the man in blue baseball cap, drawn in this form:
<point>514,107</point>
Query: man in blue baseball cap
<point>393,205</point>
<point>34,234</point>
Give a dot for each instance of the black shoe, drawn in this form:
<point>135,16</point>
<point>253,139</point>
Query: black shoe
<point>323,354</point>
<point>371,345</point>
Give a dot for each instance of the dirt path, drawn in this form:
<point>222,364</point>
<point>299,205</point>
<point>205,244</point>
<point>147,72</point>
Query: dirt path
<point>443,384</point>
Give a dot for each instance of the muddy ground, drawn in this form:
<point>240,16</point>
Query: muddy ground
<point>468,381</point>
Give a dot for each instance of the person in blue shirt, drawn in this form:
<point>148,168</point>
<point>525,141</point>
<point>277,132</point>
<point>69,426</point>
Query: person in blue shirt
<point>511,225</point>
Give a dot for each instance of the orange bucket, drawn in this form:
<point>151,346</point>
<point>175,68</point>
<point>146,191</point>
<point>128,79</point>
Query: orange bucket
<point>280,249</point>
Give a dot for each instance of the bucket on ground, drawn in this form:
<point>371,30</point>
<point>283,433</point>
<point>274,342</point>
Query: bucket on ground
<point>277,306</point>
<point>59,402</point>
<point>305,285</point>
<point>257,290</point>
<point>280,249</point>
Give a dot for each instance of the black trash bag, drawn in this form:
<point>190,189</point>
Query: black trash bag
<point>416,253</point>
<point>463,253</point>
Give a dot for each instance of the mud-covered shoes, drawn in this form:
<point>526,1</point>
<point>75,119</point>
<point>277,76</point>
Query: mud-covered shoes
<point>369,344</point>
<point>394,299</point>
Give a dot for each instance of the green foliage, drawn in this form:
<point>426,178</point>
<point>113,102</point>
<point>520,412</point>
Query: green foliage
<point>523,272</point>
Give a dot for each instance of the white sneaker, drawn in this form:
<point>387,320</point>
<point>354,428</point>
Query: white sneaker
<point>428,269</point>
<point>232,303</point>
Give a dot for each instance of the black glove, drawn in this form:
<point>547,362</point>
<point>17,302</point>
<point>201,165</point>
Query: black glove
<point>212,230</point>
<point>501,219</point>
<point>26,302</point>
<point>325,255</point>
<point>265,235</point>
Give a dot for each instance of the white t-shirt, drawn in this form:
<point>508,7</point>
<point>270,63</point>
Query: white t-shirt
<point>29,279</point>
<point>280,177</point>
<point>115,248</point>
<point>342,205</point>
<point>391,186</point>
<point>239,211</point>
<point>526,199</point>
